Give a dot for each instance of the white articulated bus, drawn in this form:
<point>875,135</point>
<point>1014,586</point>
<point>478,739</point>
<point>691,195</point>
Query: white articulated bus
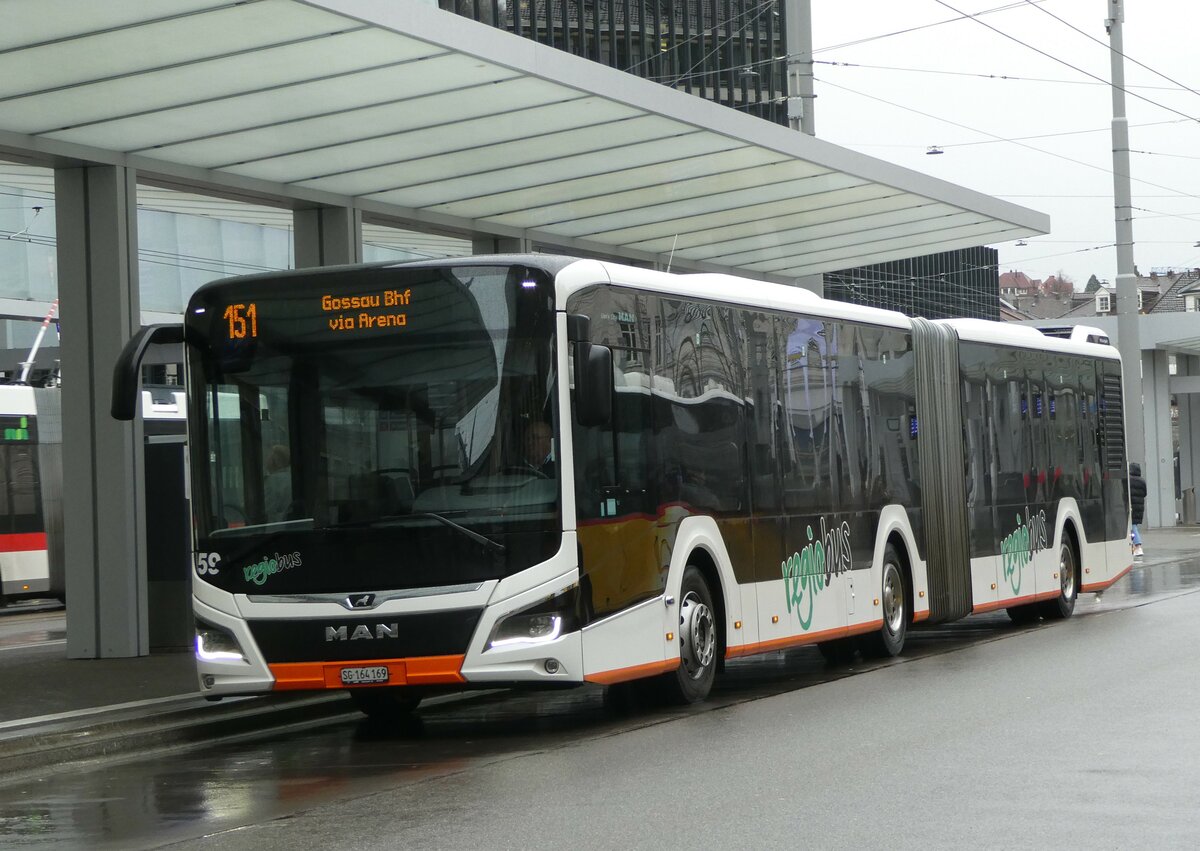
<point>541,470</point>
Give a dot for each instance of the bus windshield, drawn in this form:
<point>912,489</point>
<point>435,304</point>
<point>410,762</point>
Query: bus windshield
<point>406,413</point>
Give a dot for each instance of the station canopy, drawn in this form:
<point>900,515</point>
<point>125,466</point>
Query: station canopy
<point>405,111</point>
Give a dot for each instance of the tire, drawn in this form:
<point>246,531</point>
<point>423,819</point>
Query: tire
<point>894,597</point>
<point>384,703</point>
<point>1062,606</point>
<point>699,642</point>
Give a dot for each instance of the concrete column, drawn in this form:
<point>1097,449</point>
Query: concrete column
<point>501,245</point>
<point>327,236</point>
<point>103,499</point>
<point>1189,429</point>
<point>1159,468</point>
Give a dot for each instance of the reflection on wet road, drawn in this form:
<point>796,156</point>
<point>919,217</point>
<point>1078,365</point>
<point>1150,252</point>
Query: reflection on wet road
<point>149,802</point>
<point>23,626</point>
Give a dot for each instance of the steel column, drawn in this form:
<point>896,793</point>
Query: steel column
<point>103,494</point>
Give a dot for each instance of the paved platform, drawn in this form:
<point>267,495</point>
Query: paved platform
<point>57,708</point>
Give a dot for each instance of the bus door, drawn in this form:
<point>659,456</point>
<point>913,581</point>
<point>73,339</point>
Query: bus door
<point>979,444</point>
<point>812,526</point>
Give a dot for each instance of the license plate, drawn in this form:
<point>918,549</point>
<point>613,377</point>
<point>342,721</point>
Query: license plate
<point>364,676</point>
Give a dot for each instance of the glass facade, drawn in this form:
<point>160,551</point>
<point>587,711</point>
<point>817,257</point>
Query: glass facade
<point>728,51</point>
<point>964,283</point>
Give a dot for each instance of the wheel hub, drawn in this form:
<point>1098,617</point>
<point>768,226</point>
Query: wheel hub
<point>697,635</point>
<point>1066,573</point>
<point>893,598</point>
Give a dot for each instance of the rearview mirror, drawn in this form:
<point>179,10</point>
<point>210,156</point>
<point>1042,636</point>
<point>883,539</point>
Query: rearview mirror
<point>128,367</point>
<point>593,384</point>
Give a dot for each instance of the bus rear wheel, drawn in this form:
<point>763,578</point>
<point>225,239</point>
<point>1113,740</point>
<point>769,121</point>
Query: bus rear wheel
<point>384,703</point>
<point>1062,606</point>
<point>894,599</point>
<point>699,641</point>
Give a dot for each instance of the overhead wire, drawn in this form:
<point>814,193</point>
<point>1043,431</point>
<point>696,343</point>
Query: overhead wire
<point>1108,46</point>
<point>716,25</point>
<point>1051,56</point>
<point>1006,7</point>
<point>1006,77</point>
<point>995,137</point>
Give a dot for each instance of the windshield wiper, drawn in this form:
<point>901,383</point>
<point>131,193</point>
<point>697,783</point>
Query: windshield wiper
<point>482,540</point>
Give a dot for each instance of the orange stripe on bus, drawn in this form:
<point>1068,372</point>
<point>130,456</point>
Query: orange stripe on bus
<point>805,638</point>
<point>416,670</point>
<point>1100,586</point>
<point>634,672</point>
<point>920,616</point>
<point>1014,601</point>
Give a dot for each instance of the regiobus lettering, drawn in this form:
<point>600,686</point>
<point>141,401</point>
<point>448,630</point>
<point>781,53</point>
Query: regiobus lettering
<point>813,568</point>
<point>1021,545</point>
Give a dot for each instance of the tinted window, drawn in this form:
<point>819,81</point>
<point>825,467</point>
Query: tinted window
<point>808,403</point>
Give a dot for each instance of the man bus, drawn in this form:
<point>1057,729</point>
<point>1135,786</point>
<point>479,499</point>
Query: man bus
<point>737,467</point>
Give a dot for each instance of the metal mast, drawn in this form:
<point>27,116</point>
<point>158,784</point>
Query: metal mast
<point>1128,335</point>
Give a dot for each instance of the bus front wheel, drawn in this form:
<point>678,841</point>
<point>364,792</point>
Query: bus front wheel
<point>699,642</point>
<point>894,597</point>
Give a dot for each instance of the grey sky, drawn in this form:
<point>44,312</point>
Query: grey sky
<point>1059,181</point>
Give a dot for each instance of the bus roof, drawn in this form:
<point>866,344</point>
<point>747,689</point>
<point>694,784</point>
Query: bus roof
<point>1026,337</point>
<point>721,288</point>
<point>743,291</point>
<point>573,274</point>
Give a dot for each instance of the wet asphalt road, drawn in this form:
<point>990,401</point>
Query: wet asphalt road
<point>1074,734</point>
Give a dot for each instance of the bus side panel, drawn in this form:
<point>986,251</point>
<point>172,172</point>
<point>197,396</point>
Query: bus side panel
<point>50,473</point>
<point>642,640</point>
<point>805,603</point>
<point>1046,561</point>
<point>628,645</point>
<point>22,572</point>
<point>894,520</point>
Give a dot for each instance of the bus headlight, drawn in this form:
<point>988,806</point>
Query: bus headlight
<point>214,644</point>
<point>540,623</point>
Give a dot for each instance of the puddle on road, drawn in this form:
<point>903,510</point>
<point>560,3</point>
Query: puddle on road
<point>1146,582</point>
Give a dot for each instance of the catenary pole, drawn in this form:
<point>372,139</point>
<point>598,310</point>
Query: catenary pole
<point>1128,336</point>
<point>798,43</point>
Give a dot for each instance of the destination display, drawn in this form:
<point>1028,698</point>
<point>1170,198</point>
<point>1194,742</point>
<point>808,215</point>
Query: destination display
<point>357,312</point>
<point>343,313</point>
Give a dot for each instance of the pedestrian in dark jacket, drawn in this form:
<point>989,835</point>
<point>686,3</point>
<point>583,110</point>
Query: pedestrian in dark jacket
<point>1137,505</point>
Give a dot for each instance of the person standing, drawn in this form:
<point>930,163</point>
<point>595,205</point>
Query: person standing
<point>1137,505</point>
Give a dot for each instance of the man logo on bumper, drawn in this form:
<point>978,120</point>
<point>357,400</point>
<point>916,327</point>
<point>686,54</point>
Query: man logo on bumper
<point>359,601</point>
<point>343,633</point>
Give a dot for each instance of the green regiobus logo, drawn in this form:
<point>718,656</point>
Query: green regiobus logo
<point>808,572</point>
<point>1020,546</point>
<point>261,571</point>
